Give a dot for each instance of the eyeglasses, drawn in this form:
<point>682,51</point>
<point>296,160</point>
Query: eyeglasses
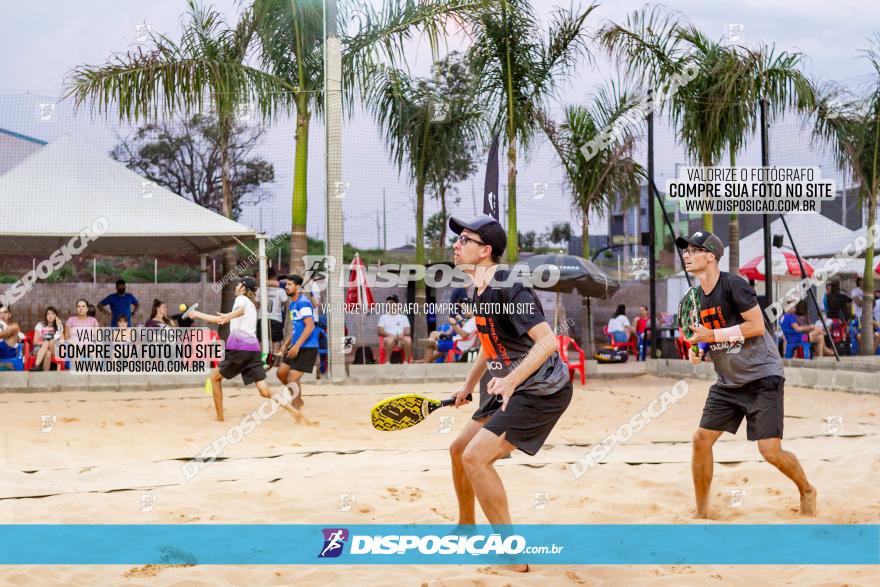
<point>464,239</point>
<point>695,250</point>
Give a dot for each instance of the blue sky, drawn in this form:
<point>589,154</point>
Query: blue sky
<point>43,40</point>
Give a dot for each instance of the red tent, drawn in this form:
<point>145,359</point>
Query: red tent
<point>784,264</point>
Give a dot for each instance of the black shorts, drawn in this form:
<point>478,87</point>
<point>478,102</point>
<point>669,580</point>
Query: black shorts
<point>760,401</point>
<point>276,331</point>
<point>528,418</point>
<point>248,364</point>
<point>304,362</point>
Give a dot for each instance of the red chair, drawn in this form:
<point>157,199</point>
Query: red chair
<point>578,365</point>
<point>383,358</point>
<point>683,347</point>
<point>629,345</point>
<point>31,359</point>
<point>214,335</point>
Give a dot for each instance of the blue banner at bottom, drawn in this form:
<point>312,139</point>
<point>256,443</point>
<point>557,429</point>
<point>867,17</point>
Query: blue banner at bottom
<point>221,544</point>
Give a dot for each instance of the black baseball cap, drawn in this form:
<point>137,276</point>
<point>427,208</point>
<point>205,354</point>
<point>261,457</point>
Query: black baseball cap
<point>488,228</point>
<point>249,283</point>
<point>703,239</point>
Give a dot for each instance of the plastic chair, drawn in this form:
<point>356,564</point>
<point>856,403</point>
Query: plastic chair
<point>578,365</point>
<point>17,363</point>
<point>629,345</point>
<point>683,347</point>
<point>383,358</point>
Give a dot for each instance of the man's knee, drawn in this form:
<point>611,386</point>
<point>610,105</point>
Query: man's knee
<point>703,440</point>
<point>216,376</point>
<point>456,449</point>
<point>771,451</point>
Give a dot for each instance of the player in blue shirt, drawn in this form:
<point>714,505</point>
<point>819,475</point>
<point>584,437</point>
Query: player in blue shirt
<point>300,348</point>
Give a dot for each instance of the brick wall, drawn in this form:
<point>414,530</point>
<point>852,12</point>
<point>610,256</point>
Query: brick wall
<point>30,309</point>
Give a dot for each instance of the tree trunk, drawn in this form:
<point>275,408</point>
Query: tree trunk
<point>866,342</point>
<point>442,243</point>
<point>298,240</point>
<point>227,295</point>
<point>734,231</point>
<point>512,234</point>
<point>420,329</point>
<point>585,231</point>
<point>707,218</point>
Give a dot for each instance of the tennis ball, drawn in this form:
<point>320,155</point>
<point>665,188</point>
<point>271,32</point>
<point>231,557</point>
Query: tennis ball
<point>182,307</point>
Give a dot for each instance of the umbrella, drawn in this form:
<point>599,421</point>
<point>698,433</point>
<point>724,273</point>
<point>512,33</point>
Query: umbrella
<point>783,264</point>
<point>575,273</point>
<point>358,293</point>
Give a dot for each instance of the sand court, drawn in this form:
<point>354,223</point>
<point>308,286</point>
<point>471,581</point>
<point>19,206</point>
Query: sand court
<point>108,450</point>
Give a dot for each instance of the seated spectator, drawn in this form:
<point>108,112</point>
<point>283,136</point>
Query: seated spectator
<point>794,334</point>
<point>79,321</point>
<point>465,338</point>
<point>457,329</point>
<point>395,329</point>
<point>10,334</point>
<point>619,328</point>
<point>159,316</point>
<point>839,304</point>
<point>817,336</point>
<point>120,303</point>
<point>46,333</point>
<point>857,296</point>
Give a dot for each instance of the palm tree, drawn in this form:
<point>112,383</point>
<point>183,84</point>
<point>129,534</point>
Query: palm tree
<point>742,81</point>
<point>291,34</point>
<point>850,126</point>
<point>611,175</point>
<point>420,144</point>
<point>518,71</point>
<point>208,66</point>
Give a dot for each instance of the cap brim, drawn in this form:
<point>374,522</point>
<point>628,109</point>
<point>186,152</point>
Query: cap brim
<point>682,243</point>
<point>457,225</point>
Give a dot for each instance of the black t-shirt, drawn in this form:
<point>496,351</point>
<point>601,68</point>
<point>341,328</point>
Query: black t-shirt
<point>504,315</point>
<point>738,362</point>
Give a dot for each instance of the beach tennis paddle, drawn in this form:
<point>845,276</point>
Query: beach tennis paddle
<point>189,310</point>
<point>689,314</point>
<point>405,411</point>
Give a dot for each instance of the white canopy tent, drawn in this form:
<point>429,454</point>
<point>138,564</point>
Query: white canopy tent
<point>67,187</point>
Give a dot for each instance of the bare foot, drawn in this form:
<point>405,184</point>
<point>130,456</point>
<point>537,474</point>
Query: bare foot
<point>701,514</point>
<point>808,502</point>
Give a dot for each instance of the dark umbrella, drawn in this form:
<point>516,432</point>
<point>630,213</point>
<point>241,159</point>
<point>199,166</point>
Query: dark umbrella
<point>575,273</point>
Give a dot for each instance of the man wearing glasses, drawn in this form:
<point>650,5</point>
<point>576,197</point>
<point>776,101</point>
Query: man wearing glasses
<point>529,388</point>
<point>750,374</point>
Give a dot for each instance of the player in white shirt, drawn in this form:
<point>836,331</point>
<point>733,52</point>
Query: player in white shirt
<point>242,356</point>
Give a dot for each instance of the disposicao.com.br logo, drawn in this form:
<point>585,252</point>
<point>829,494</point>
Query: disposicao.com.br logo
<point>394,544</point>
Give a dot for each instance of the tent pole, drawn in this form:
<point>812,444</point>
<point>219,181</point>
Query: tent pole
<point>264,298</point>
<point>203,269</point>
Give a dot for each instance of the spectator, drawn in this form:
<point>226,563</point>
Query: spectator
<point>158,316</point>
<point>839,304</point>
<point>619,328</point>
<point>858,297</point>
<point>120,303</point>
<point>465,333</point>
<point>10,334</point>
<point>458,297</point>
<point>46,333</point>
<point>93,311</point>
<point>643,333</point>
<point>178,318</point>
<point>817,336</point>
<point>394,328</point>
<point>794,334</point>
<point>80,321</point>
<point>277,300</point>
<point>825,298</point>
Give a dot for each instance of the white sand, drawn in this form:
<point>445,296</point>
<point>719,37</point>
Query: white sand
<point>126,443</point>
